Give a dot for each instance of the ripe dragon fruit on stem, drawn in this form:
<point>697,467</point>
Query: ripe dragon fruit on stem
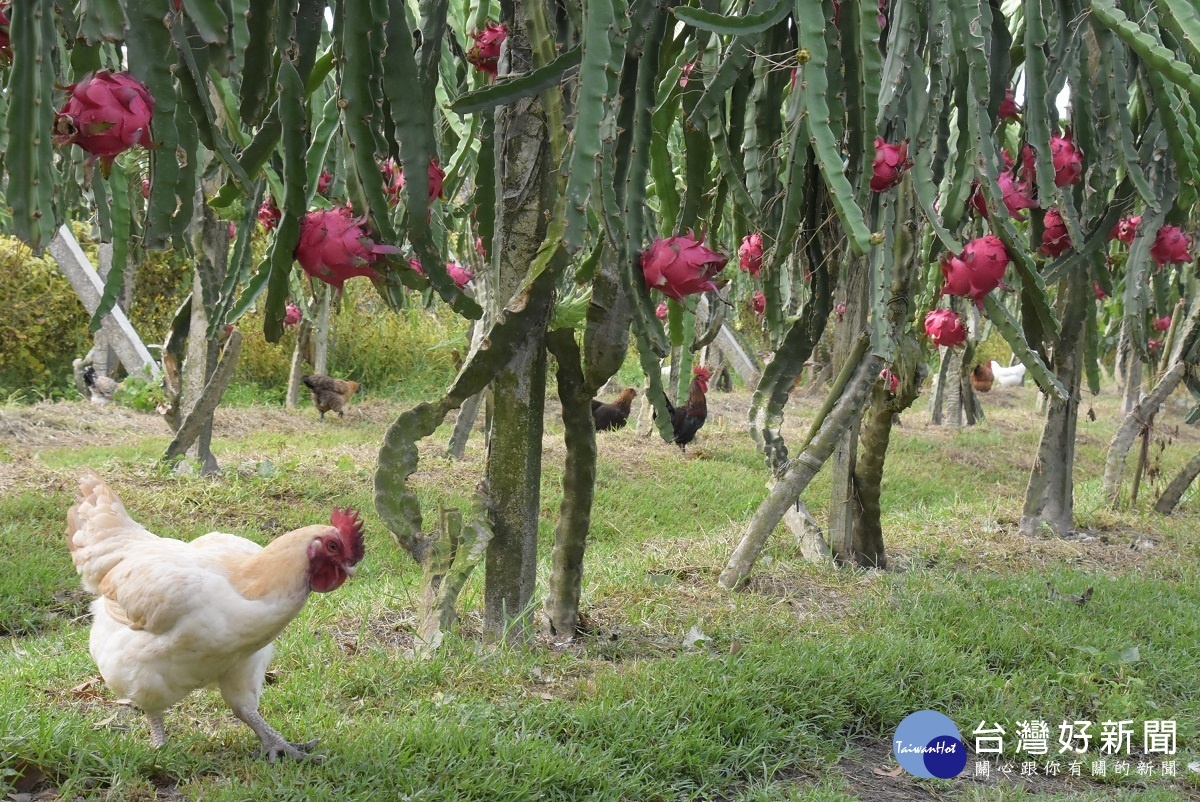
<point>393,180</point>
<point>1171,247</point>
<point>1068,159</point>
<point>890,380</point>
<point>977,271</point>
<point>750,254</point>
<point>106,114</point>
<point>1162,323</point>
<point>1017,195</point>
<point>661,311</point>
<point>269,214</point>
<point>459,274</point>
<point>1055,239</point>
<point>1125,229</point>
<point>334,246</point>
<point>1008,107</point>
<point>891,160</point>
<point>945,327</point>
<point>680,265</point>
<point>292,315</point>
<point>759,303</point>
<point>484,54</point>
<point>5,43</point>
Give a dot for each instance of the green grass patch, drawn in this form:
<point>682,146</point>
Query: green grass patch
<point>805,668</point>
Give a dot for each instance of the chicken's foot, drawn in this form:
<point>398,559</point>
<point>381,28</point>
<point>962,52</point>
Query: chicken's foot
<point>275,745</point>
<point>158,732</point>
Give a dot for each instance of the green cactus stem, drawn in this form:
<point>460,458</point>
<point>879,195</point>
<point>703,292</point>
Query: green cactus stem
<point>292,209</point>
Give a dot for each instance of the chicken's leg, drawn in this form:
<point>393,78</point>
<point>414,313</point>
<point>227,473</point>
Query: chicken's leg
<point>275,745</point>
<point>158,732</point>
<point>241,687</point>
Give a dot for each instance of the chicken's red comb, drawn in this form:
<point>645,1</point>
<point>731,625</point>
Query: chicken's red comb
<point>349,526</point>
<point>700,370</point>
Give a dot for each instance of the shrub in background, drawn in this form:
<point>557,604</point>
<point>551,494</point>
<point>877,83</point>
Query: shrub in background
<point>43,327</point>
<point>412,353</point>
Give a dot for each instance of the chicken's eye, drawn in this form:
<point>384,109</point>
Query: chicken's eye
<point>333,545</point>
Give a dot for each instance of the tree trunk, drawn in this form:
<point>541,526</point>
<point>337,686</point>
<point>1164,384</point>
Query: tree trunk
<point>1049,496</point>
<point>843,500</point>
<point>579,485</point>
<point>303,333</point>
<point>514,461</point>
<point>320,333</point>
<point>210,239</point>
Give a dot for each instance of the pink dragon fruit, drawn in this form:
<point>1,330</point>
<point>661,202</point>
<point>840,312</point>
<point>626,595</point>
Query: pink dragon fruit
<point>292,315</point>
<point>661,311</point>
<point>686,73</point>
<point>945,327</point>
<point>324,182</point>
<point>1125,229</point>
<point>680,265</point>
<point>890,163</point>
<point>146,188</point>
<point>1068,160</point>
<point>890,380</point>
<point>750,255</point>
<point>839,312</point>
<point>394,181</point>
<point>107,113</point>
<point>977,270</point>
<point>1171,247</point>
<point>1055,239</point>
<point>269,214</point>
<point>1162,323</point>
<point>484,54</point>
<point>1154,347</point>
<point>1100,293</point>
<point>759,303</point>
<point>460,274</point>
<point>415,264</point>
<point>1008,107</point>
<point>334,247</point>
<point>5,42</point>
<point>479,249</point>
<point>232,230</point>
<point>1017,195</point>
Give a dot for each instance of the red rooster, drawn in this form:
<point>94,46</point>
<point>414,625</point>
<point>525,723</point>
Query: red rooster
<point>171,617</point>
<point>614,415</point>
<point>687,420</point>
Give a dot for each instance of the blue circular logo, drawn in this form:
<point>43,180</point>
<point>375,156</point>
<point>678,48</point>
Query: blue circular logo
<point>928,744</point>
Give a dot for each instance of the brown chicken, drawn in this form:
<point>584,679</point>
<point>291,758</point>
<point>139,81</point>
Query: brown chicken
<point>982,377</point>
<point>614,415</point>
<point>687,419</point>
<point>329,394</point>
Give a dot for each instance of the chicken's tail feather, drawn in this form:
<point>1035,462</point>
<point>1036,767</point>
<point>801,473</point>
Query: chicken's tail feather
<point>97,528</point>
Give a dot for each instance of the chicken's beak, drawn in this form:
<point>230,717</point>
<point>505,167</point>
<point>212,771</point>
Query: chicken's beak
<point>350,569</point>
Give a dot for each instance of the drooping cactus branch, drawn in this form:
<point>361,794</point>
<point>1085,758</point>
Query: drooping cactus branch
<point>846,407</point>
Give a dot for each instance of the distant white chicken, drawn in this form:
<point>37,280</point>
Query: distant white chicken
<point>1007,377</point>
<point>100,388</point>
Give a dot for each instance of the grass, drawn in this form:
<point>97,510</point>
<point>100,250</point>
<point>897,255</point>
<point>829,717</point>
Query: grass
<point>806,668</point>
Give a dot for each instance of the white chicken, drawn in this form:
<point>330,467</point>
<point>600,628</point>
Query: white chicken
<point>172,617</point>
<point>1007,377</point>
